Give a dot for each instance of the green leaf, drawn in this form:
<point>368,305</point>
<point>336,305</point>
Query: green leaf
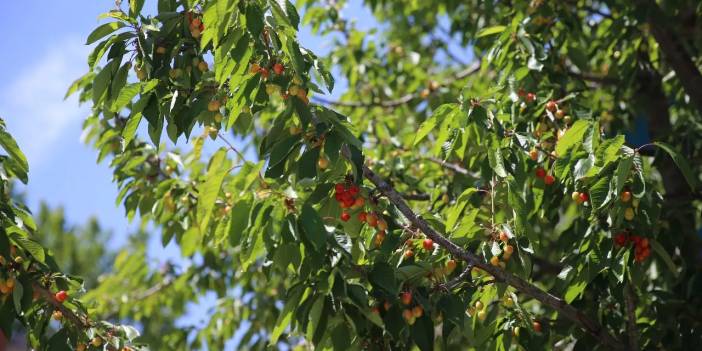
<point>239,221</point>
<point>622,172</point>
<point>125,96</point>
<point>681,163</point>
<point>254,19</point>
<point>495,157</point>
<point>103,30</point>
<point>189,242</point>
<point>574,290</point>
<point>10,145</point>
<point>17,297</point>
<point>436,118</point>
<point>573,136</point>
<point>423,333</point>
<point>291,304</point>
<point>130,129</point>
<point>383,277</point>
<point>599,193</point>
<point>209,189</point>
<point>490,31</point>
<point>313,228</point>
<point>664,256</point>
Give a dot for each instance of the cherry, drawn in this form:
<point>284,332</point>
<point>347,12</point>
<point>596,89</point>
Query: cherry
<point>323,163</point>
<point>479,305</point>
<point>560,114</point>
<point>255,68</point>
<point>537,326</point>
<point>530,97</point>
<point>626,196</point>
<point>583,197</point>
<point>428,244</point>
<point>549,179</point>
<point>61,296</point>
<point>495,261</point>
<point>345,216</point>
<point>552,106</point>
<point>387,305</point>
<point>57,315</point>
<point>202,66</point>
<point>509,249</point>
<point>515,331</point>
<point>362,216</point>
<point>417,311</point>
<point>382,224</point>
<point>504,237</point>
<point>375,310</point>
<point>482,315</point>
<point>264,72</point>
<point>408,254</point>
<point>406,298</point>
<point>540,172</point>
<point>450,266</point>
<point>629,214</point>
<point>509,302</point>
<point>372,220</point>
<point>96,341</point>
<point>534,154</point>
<point>575,196</point>
<point>160,50</point>
<point>278,68</point>
<point>354,190</point>
<point>620,239</point>
<point>339,188</point>
<point>408,316</point>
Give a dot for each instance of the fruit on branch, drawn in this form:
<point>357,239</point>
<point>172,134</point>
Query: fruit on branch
<point>379,238</point>
<point>408,254</point>
<point>515,331</point>
<point>495,261</point>
<point>503,236</point>
<point>345,216</point>
<point>362,216</point>
<point>81,347</point>
<point>387,305</point>
<point>278,68</point>
<point>160,50</point>
<point>213,132</point>
<point>372,220</point>
<point>530,97</point>
<point>626,196</point>
<point>540,172</point>
<point>450,266</point>
<point>424,93</point>
<point>406,298</point>
<point>621,239</point>
<point>482,315</point>
<point>202,66</point>
<point>408,316</point>
<point>537,326</point>
<point>218,117</point>
<point>584,197</point>
<point>140,72</point>
<point>61,296</point>
<point>428,244</point>
<point>213,105</point>
<point>560,114</point>
<point>549,179</point>
<point>509,249</point>
<point>509,302</point>
<point>551,106</point>
<point>57,315</point>
<point>575,196</point>
<point>533,154</point>
<point>567,120</point>
<point>323,162</point>
<point>96,341</point>
<point>629,214</point>
<point>417,311</point>
<point>255,68</point>
<point>479,305</point>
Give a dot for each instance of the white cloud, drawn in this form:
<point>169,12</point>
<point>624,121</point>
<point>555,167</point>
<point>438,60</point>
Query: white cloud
<point>33,105</point>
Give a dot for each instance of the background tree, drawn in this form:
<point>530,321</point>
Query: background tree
<point>439,202</point>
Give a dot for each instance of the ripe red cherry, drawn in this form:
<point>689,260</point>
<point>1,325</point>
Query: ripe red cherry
<point>61,296</point>
<point>549,179</point>
<point>551,106</point>
<point>278,68</point>
<point>537,326</point>
<point>406,298</point>
<point>530,97</point>
<point>345,216</point>
<point>584,197</point>
<point>409,254</point>
<point>353,190</point>
<point>540,172</point>
<point>428,244</point>
<point>362,216</point>
<point>339,188</point>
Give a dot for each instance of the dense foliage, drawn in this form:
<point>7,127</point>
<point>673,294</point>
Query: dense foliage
<point>440,202</point>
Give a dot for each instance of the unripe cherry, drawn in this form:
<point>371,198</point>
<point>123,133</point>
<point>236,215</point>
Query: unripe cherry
<point>408,316</point>
<point>509,249</point>
<point>213,105</point>
<point>534,154</point>
<point>278,68</point>
<point>479,305</point>
<point>629,214</point>
<point>323,163</point>
<point>450,266</point>
<point>495,261</point>
<point>482,315</point>
<point>537,326</point>
<point>406,298</point>
<point>408,254</point>
<point>575,196</point>
<point>503,236</point>
<point>417,311</point>
<point>626,196</point>
<point>372,220</point>
<point>551,106</point>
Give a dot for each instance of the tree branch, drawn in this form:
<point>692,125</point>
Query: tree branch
<point>80,321</point>
<point>674,51</point>
<point>579,318</point>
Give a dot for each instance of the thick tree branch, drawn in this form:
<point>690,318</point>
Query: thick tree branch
<point>674,51</point>
<point>399,101</point>
<point>579,318</point>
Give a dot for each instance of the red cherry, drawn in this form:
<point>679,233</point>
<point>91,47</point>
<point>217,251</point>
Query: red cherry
<point>406,298</point>
<point>620,239</point>
<point>584,197</point>
<point>551,106</point>
<point>530,97</point>
<point>362,216</point>
<point>409,254</point>
<point>61,296</point>
<point>354,190</point>
<point>540,172</point>
<point>345,216</point>
<point>549,179</point>
<point>428,244</point>
<point>340,188</point>
<point>349,202</point>
<point>278,68</point>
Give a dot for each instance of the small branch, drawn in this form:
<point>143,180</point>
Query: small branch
<point>80,321</point>
<point>631,329</point>
<point>564,309</point>
<point>452,166</point>
<point>417,197</point>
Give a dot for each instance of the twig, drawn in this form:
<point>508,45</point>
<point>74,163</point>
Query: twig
<point>80,321</point>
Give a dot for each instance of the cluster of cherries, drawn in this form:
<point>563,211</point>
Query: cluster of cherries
<point>196,26</point>
<point>349,198</point>
<point>507,251</point>
<point>641,245</point>
<point>541,174</point>
<point>528,97</point>
<point>295,88</point>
